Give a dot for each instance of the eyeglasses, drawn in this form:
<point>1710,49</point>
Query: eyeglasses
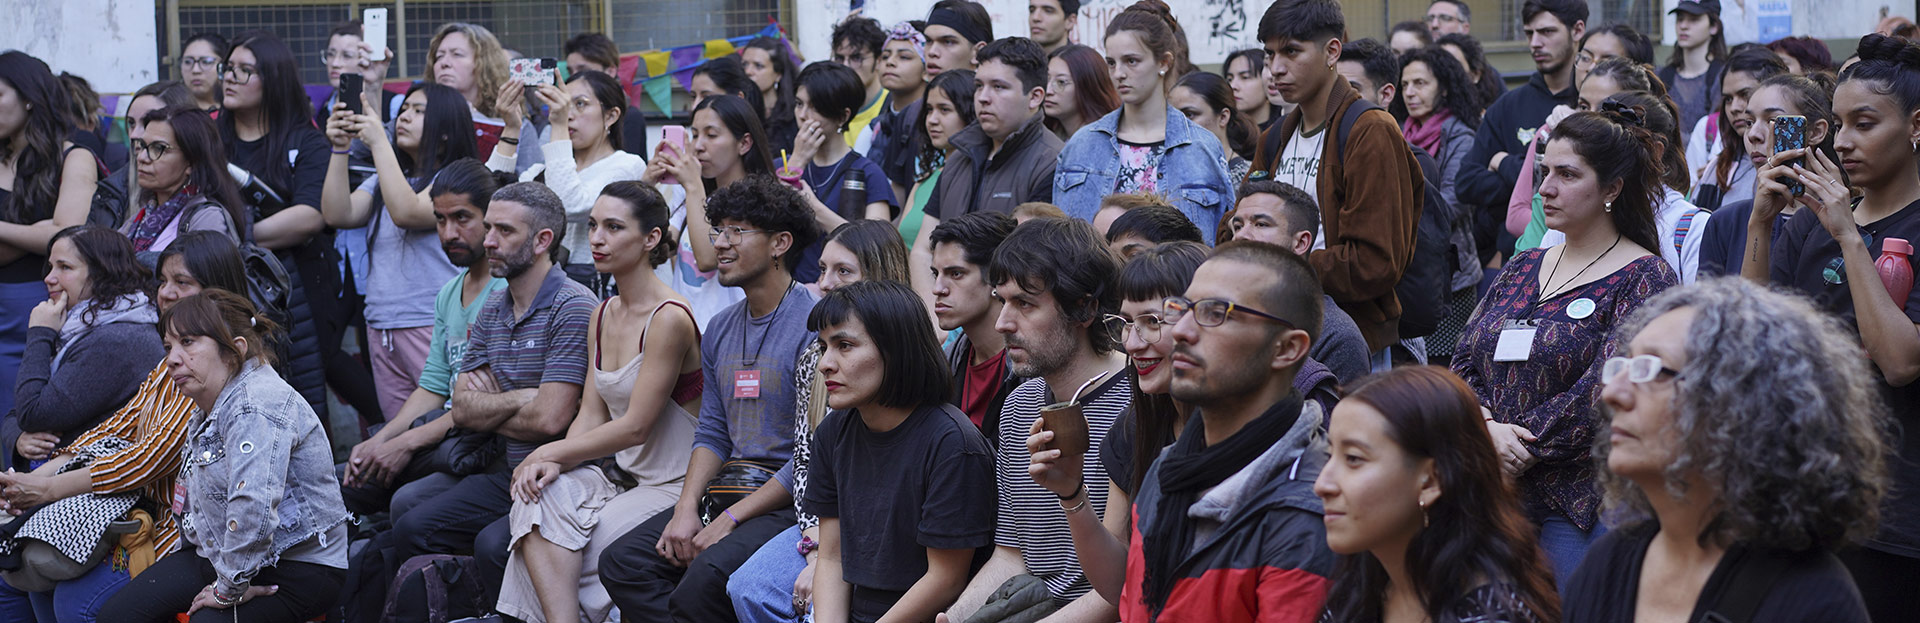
<point>1059,85</point>
<point>329,55</point>
<point>237,74</point>
<point>155,150</point>
<point>731,233</point>
<point>1148,327</point>
<point>1441,18</point>
<point>1642,369</point>
<point>190,62</point>
<point>1210,312</point>
<point>1588,59</point>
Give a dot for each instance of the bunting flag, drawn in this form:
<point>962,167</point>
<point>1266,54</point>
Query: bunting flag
<point>655,72</point>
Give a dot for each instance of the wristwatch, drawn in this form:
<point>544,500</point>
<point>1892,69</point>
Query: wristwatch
<point>807,545</point>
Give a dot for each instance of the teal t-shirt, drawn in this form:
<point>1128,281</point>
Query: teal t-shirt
<point>450,322</point>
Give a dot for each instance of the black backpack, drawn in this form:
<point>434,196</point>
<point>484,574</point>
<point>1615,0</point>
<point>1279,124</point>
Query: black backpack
<point>435,588</point>
<point>1424,287</point>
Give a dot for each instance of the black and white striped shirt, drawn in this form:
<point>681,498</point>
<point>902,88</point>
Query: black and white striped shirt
<point>1030,518</point>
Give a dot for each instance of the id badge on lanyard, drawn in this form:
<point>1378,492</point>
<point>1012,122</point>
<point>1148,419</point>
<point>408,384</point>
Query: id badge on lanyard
<point>746,383</point>
<point>1516,341</point>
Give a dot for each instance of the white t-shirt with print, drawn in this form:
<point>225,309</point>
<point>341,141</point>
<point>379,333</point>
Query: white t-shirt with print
<point>1299,167</point>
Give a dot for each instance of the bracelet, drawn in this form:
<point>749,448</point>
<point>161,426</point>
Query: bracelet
<point>510,140</point>
<point>224,602</point>
<point>1076,492</point>
<point>1075,508</point>
<point>729,513</point>
<point>342,152</point>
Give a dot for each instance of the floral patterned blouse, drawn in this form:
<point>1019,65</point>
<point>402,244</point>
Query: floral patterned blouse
<point>1490,603</point>
<point>1555,392</point>
<point>1139,167</point>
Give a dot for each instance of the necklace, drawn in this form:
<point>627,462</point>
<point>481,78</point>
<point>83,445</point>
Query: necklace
<point>1551,291</point>
<point>831,173</point>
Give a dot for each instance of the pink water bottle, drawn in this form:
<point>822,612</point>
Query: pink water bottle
<point>1896,269</point>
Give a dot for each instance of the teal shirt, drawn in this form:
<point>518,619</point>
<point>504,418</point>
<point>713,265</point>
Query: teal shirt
<point>450,321</point>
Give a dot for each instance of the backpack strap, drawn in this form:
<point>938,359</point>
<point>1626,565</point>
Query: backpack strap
<point>1680,230</point>
<point>1347,120</point>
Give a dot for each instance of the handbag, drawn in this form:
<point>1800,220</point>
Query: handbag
<point>737,479</point>
<point>463,452</point>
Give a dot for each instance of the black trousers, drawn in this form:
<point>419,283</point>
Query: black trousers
<point>168,587</point>
<point>647,587</point>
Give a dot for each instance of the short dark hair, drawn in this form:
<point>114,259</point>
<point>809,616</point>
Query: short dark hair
<point>765,202</point>
<point>861,31</point>
<point>1161,271</point>
<point>1155,224</point>
<point>468,178</point>
<point>221,46</point>
<point>351,27</point>
<point>1419,29</point>
<point>1568,12</point>
<point>977,233</point>
<point>1065,258</point>
<point>1069,8</point>
<point>1639,47</point>
<point>1466,12</point>
<point>1300,209</point>
<point>1381,65</point>
<point>730,74</point>
<point>876,245</point>
<point>833,90</point>
<point>1295,295</point>
<point>594,47</point>
<point>1303,20</point>
<point>545,209</point>
<point>914,371</point>
<point>1028,59</point>
<point>1256,60</point>
<point>211,257</point>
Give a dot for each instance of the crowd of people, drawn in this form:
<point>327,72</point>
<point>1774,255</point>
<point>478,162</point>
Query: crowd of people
<point>974,329</point>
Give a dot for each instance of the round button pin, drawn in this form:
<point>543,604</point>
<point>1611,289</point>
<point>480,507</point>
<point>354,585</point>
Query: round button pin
<point>1580,308</point>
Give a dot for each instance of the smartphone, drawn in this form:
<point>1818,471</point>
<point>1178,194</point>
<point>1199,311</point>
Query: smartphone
<point>1790,132</point>
<point>673,137</point>
<point>533,72</point>
<point>373,24</point>
<point>351,87</point>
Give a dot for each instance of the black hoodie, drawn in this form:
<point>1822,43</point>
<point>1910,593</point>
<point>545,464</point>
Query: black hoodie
<point>1507,127</point>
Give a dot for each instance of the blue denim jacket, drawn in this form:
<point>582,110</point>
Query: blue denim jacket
<point>258,477</point>
<point>1192,173</point>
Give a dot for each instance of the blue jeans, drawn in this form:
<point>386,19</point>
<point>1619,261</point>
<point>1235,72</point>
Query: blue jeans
<point>1565,545</point>
<point>762,589</point>
<point>74,601</point>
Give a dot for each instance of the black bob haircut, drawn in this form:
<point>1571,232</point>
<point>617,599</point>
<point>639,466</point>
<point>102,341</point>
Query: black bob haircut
<point>1161,271</point>
<point>833,90</point>
<point>1156,224</point>
<point>1303,20</point>
<point>1569,12</point>
<point>1065,258</point>
<point>1028,59</point>
<point>765,202</point>
<point>977,233</point>
<point>914,371</point>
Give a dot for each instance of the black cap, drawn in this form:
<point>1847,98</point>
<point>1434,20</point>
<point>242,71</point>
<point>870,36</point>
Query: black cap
<point>1698,7</point>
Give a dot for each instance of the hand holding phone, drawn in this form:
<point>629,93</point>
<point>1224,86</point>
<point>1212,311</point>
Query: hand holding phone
<point>673,137</point>
<point>374,27</point>
<point>1790,132</point>
<point>352,88</point>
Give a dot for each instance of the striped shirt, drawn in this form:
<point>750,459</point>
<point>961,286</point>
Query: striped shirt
<point>547,345</point>
<point>155,420</point>
<point>1030,519</point>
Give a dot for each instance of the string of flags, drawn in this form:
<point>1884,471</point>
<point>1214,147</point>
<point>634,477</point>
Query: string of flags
<point>653,73</point>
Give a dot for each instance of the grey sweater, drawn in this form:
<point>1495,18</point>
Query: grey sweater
<point>102,370</point>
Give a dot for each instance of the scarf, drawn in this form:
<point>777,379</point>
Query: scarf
<point>904,31</point>
<point>153,220</point>
<point>1188,469</point>
<point>134,308</point>
<point>1429,134</point>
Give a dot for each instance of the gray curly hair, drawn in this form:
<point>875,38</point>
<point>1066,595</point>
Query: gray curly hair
<point>1776,411</point>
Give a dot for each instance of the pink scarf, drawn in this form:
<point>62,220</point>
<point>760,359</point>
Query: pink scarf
<point>1427,134</point>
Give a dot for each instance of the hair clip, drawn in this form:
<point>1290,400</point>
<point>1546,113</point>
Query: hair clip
<point>1627,113</point>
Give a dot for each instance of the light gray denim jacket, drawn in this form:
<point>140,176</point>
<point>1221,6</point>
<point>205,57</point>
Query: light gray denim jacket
<point>259,480</point>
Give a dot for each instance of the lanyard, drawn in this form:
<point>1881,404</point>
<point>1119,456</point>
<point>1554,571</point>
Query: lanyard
<point>748,317</point>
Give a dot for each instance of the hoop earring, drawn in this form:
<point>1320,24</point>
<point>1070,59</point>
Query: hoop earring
<point>1423,516</point>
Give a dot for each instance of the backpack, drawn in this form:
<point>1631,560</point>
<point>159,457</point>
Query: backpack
<point>435,588</point>
<point>1428,279</point>
<point>268,284</point>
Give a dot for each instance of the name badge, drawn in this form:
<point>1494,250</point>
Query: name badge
<point>179,498</point>
<point>1516,342</point>
<point>746,384</point>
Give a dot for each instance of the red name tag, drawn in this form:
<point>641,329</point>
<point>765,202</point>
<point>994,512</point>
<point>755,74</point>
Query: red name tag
<point>746,384</point>
<point>179,498</point>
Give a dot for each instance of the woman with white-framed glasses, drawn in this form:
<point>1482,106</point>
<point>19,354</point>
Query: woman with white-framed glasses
<point>1746,438</point>
<point>200,61</point>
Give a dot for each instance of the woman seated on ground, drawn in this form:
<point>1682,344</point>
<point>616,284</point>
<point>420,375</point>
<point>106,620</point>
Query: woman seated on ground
<point>87,344</point>
<point>181,170</point>
<point>646,383</point>
<point>902,481</point>
<point>151,428</point>
<point>279,557</point>
<point>1720,483</point>
<point>1427,526</point>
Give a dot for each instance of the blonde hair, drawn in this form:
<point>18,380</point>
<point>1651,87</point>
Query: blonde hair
<point>489,63</point>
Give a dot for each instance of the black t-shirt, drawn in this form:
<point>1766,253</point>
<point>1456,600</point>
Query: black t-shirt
<point>307,153</point>
<point>1814,586</point>
<point>1808,259</point>
<point>926,484</point>
<point>1116,453</point>
<point>825,182</point>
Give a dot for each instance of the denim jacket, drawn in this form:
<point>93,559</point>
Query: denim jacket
<point>1192,173</point>
<point>258,478</point>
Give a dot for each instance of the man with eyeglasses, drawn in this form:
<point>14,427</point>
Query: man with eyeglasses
<point>674,567</point>
<point>1446,17</point>
<point>1226,525</point>
<point>346,52</point>
<point>1287,217</point>
<point>1055,281</point>
<point>856,44</point>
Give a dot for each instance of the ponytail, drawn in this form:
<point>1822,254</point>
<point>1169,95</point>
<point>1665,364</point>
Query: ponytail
<point>1660,117</point>
<point>1153,22</point>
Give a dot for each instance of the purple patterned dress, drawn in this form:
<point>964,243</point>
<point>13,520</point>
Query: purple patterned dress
<point>1555,392</point>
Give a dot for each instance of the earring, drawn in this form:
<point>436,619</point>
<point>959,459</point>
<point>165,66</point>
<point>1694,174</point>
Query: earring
<point>1609,206</point>
<point>1423,516</point>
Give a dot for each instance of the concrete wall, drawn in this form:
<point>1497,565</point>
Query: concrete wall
<point>1214,27</point>
<point>109,42</point>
